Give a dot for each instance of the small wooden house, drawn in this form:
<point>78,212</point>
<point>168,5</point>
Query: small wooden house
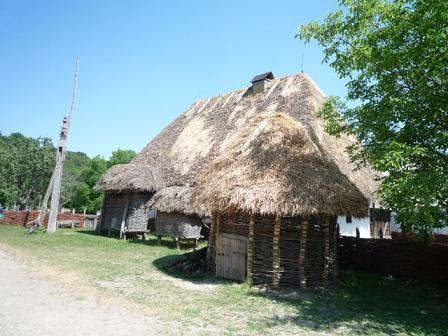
<point>275,197</point>
<point>174,216</point>
<point>127,188</point>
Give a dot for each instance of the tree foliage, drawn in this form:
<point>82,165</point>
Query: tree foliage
<point>121,156</point>
<point>26,165</point>
<point>84,194</point>
<point>74,165</point>
<point>394,55</point>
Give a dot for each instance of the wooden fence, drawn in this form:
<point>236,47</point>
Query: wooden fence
<point>20,218</point>
<point>399,258</point>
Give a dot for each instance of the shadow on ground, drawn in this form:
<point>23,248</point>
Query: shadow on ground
<point>366,305</point>
<point>359,304</point>
<point>164,264</point>
<point>151,241</point>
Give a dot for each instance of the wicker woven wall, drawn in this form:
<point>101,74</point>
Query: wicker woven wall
<point>311,264</point>
<point>136,214</point>
<point>113,210</point>
<point>178,225</point>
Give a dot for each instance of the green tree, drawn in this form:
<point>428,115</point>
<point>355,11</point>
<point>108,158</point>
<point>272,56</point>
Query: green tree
<point>394,55</point>
<point>74,165</point>
<point>85,196</point>
<point>121,156</point>
<point>26,165</point>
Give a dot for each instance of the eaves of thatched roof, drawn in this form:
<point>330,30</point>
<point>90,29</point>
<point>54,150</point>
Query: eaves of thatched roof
<point>131,178</point>
<point>174,199</point>
<point>273,167</point>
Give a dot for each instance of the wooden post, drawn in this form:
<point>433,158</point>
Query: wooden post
<point>123,220</point>
<point>326,229</point>
<point>55,193</point>
<point>276,253</point>
<point>302,259</point>
<point>26,217</point>
<point>218,224</point>
<point>211,248</point>
<point>250,248</point>
<point>100,223</point>
<point>334,256</point>
<point>195,242</point>
<point>60,157</point>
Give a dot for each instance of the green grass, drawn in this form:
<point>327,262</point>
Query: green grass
<point>360,304</point>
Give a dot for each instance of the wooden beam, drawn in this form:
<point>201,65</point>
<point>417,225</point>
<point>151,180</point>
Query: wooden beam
<point>217,229</point>
<point>211,248</point>
<point>326,228</point>
<point>250,248</point>
<point>123,220</point>
<point>302,259</point>
<point>100,223</point>
<point>276,253</point>
<point>59,167</point>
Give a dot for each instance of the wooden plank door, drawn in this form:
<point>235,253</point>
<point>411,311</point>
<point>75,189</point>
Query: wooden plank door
<point>231,257</point>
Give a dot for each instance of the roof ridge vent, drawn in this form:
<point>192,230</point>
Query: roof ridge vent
<point>259,82</point>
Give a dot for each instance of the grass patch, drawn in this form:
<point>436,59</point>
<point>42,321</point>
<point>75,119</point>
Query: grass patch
<point>361,304</point>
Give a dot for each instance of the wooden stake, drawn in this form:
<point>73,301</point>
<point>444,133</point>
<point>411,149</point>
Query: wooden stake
<point>326,229</point>
<point>218,223</point>
<point>211,249</point>
<point>250,248</point>
<point>123,220</point>
<point>276,253</point>
<point>302,259</point>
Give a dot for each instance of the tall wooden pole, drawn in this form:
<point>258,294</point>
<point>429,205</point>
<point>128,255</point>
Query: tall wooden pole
<point>276,253</point>
<point>302,255</point>
<point>250,249</point>
<point>59,167</point>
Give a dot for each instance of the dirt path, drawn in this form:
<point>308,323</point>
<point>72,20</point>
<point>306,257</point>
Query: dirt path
<point>31,305</point>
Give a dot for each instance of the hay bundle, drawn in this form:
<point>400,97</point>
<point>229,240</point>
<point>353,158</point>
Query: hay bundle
<point>131,177</point>
<point>172,199</point>
<point>273,167</point>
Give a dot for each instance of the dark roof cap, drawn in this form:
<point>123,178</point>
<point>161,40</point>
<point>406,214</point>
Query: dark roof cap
<point>266,75</point>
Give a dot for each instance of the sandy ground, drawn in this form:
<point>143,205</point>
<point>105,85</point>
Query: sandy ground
<point>30,304</point>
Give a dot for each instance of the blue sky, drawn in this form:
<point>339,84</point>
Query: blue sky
<point>142,62</point>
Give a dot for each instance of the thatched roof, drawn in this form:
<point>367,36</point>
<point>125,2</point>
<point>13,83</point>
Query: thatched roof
<point>173,199</point>
<point>184,148</point>
<point>273,167</point>
<point>131,177</point>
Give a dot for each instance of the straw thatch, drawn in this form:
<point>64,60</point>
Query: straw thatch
<point>173,199</point>
<point>273,167</point>
<point>184,148</point>
<point>131,178</point>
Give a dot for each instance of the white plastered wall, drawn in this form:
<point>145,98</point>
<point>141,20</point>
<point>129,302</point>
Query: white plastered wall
<point>349,229</point>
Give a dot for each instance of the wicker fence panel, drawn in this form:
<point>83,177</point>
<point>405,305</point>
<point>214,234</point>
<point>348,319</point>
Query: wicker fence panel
<point>333,257</point>
<point>290,252</point>
<point>236,225</point>
<point>24,217</point>
<point>178,225</point>
<point>400,259</point>
<point>262,261</point>
<point>315,252</point>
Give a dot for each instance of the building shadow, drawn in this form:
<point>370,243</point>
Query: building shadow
<point>164,264</point>
<point>365,304</point>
